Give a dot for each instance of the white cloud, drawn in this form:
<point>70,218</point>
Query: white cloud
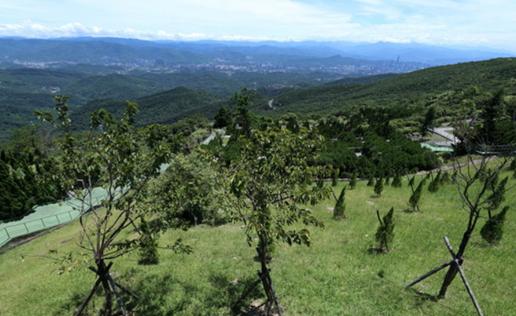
<point>473,22</point>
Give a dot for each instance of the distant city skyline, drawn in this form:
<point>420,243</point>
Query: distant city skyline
<point>475,23</point>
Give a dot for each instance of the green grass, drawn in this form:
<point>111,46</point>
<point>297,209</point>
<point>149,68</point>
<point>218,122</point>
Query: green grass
<point>335,276</point>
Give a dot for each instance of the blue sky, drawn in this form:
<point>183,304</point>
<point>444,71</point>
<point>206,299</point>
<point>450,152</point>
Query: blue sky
<point>480,23</point>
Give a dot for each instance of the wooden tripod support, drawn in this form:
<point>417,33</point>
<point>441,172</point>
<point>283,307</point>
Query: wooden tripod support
<point>457,263</point>
<point>113,287</point>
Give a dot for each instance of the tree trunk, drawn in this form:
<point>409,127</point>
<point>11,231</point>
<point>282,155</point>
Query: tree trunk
<point>103,274</point>
<point>272,306</point>
<point>453,270</point>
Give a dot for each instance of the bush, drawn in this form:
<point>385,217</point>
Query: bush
<point>385,233</point>
<point>492,231</point>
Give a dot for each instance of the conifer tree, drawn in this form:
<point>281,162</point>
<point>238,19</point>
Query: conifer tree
<point>340,206</point>
<point>416,196</point>
<point>434,183</point>
<point>371,182</point>
<point>512,166</point>
<point>353,181</point>
<point>497,196</point>
<point>396,181</point>
<point>378,187</point>
<point>385,233</point>
<point>492,231</point>
<point>335,175</point>
<point>445,177</point>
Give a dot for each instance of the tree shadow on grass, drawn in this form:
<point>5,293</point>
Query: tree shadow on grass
<point>164,295</point>
<point>238,295</point>
<point>422,296</point>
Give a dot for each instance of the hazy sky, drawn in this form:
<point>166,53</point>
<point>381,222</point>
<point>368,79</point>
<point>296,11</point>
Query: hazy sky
<point>488,23</point>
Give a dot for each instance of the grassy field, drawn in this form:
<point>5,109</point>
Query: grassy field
<point>335,276</point>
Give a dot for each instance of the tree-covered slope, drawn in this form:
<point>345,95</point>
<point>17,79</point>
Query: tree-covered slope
<point>401,89</point>
<point>163,107</point>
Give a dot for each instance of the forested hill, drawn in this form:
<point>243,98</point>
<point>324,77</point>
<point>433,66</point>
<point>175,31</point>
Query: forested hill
<point>163,107</point>
<point>411,88</point>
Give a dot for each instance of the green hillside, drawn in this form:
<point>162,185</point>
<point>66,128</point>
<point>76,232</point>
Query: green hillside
<point>163,107</point>
<point>411,88</point>
<point>335,276</point>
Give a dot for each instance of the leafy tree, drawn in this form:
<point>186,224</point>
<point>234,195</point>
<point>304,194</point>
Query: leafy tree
<point>223,118</point>
<point>378,187</point>
<point>273,182</point>
<point>192,191</point>
<point>385,233</point>
<point>117,161</point>
<point>492,231</point>
<point>243,117</point>
<point>292,122</point>
<point>340,206</point>
<point>353,181</point>
<point>28,176</point>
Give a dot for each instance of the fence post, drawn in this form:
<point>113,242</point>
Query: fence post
<point>43,223</point>
<point>58,222</point>
<point>7,233</point>
<point>25,224</point>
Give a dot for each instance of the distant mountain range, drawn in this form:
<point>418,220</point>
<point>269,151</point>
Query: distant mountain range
<point>342,57</point>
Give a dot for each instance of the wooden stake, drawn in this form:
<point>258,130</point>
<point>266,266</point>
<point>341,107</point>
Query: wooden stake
<point>457,263</point>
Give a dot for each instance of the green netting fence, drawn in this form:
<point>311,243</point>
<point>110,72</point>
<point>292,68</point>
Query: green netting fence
<point>47,216</point>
